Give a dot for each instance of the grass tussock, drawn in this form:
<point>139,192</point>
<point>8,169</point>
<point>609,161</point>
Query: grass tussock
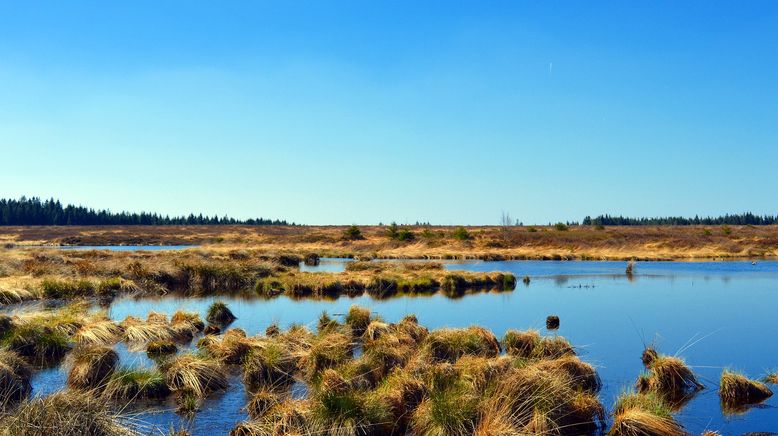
<point>62,414</point>
<point>670,377</point>
<point>141,332</point>
<point>451,344</point>
<point>103,332</point>
<point>269,364</point>
<point>129,384</point>
<point>530,345</point>
<point>643,414</point>
<point>358,318</point>
<point>194,373</point>
<point>261,402</point>
<point>220,314</point>
<point>230,348</point>
<point>161,348</point>
<point>90,366</point>
<point>39,344</point>
<point>15,376</point>
<point>737,392</point>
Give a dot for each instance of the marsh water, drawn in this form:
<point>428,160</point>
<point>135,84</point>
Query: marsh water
<point>715,315</point>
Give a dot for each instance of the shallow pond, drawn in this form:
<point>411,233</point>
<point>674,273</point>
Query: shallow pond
<point>714,314</point>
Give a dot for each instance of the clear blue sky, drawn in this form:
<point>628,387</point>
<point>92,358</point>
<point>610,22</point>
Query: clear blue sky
<point>363,111</point>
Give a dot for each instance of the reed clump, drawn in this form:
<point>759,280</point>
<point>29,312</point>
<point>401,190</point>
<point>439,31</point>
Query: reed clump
<point>737,392</point>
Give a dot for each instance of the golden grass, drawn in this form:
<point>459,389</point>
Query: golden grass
<point>64,413</point>
<point>737,391</point>
<point>489,242</point>
<point>15,376</point>
<point>130,384</point>
<point>643,414</point>
<point>670,377</point>
<point>104,332</point>
<point>196,374</point>
<point>90,366</point>
<point>139,331</point>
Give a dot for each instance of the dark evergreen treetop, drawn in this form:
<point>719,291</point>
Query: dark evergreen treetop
<point>747,218</point>
<point>34,212</point>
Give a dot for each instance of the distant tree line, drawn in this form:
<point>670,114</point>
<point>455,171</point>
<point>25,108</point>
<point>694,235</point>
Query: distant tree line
<point>34,212</point>
<point>747,218</point>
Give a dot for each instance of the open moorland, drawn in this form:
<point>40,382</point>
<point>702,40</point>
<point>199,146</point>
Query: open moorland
<point>432,242</point>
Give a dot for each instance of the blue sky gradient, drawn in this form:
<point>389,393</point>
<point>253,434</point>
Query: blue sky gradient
<point>360,112</point>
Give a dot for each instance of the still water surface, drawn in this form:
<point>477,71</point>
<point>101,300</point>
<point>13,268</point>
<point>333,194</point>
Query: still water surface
<point>717,314</point>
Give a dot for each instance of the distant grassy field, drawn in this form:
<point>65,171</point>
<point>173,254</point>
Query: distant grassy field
<point>434,242</point>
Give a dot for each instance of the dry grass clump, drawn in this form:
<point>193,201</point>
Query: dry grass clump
<point>194,373</point>
<point>14,295</point>
<point>129,384</point>
<point>39,344</point>
<point>231,348</point>
<point>326,351</point>
<point>451,407</point>
<point>533,400</point>
<point>64,413</point>
<point>326,323</point>
<point>269,363</point>
<point>261,402</point>
<point>161,348</point>
<point>737,392</point>
<point>139,331</point>
<point>191,319</point>
<point>220,314</point>
<point>358,318</point>
<point>530,345</point>
<point>103,332</point>
<point>15,376</point>
<point>336,406</point>
<point>291,417</point>
<point>771,378</point>
<point>582,375</point>
<point>643,414</point>
<point>451,344</point>
<point>669,377</point>
<point>90,366</point>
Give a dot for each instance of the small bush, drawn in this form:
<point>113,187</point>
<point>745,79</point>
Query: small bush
<point>353,233</point>
<point>561,227</point>
<point>461,234</point>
